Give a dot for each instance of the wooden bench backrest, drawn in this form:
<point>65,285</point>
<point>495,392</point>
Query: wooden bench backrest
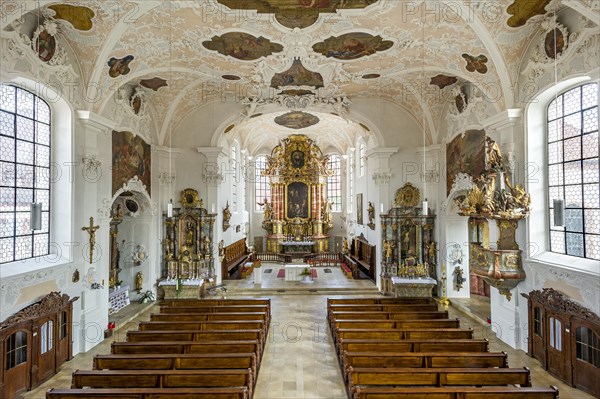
<point>398,324</point>
<point>439,377</point>
<point>215,302</point>
<point>162,378</point>
<point>214,309</point>
<point>379,301</point>
<point>189,335</point>
<point>422,333</point>
<point>455,393</point>
<point>175,361</point>
<point>383,308</point>
<point>424,359</point>
<point>208,316</point>
<point>208,325</point>
<point>439,345</point>
<point>151,393</point>
<point>407,315</point>
<point>177,347</point>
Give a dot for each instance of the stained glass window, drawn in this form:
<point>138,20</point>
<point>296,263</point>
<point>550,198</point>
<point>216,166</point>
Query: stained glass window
<point>24,173</point>
<point>573,171</point>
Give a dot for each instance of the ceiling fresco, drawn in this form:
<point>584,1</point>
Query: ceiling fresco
<point>296,13</point>
<point>352,46</point>
<point>208,50</point>
<point>242,46</point>
<point>296,120</point>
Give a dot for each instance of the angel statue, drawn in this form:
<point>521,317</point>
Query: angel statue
<point>371,212</point>
<point>388,249</point>
<point>493,156</point>
<point>267,210</point>
<point>327,212</point>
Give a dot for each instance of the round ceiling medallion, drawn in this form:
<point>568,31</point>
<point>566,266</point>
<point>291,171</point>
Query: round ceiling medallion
<point>371,76</point>
<point>230,77</point>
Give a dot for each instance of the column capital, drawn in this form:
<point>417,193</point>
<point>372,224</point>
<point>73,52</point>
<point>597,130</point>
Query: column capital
<point>382,152</point>
<point>503,121</point>
<point>91,120</point>
<point>213,154</point>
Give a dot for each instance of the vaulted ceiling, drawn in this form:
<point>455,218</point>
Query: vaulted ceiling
<point>186,54</point>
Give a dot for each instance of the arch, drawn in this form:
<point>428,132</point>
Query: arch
<point>140,194</point>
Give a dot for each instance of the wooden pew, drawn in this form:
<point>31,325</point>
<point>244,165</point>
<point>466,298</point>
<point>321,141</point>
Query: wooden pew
<point>150,393</point>
<point>437,377</point>
<point>368,392</point>
<point>218,309</point>
<point>215,302</point>
<point>209,325</point>
<point>389,315</point>
<point>209,316</point>
<point>193,335</point>
<point>181,347</point>
<point>386,333</point>
<point>397,324</point>
<point>163,379</point>
<point>429,345</point>
<point>380,301</point>
<point>428,307</point>
<point>422,360</point>
<point>177,361</point>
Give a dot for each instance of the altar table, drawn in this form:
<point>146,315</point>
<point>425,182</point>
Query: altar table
<point>413,287</point>
<point>292,272</point>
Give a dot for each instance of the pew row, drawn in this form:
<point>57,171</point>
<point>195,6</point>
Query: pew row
<point>195,335</point>
<point>186,347</point>
<point>426,345</point>
<point>392,334</point>
<point>455,393</point>
<point>150,393</point>
<point>381,301</point>
<point>163,379</point>
<point>231,316</point>
<point>212,325</point>
<point>177,361</point>
<point>438,377</point>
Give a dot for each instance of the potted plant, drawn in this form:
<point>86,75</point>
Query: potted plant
<point>306,275</point>
<point>147,296</point>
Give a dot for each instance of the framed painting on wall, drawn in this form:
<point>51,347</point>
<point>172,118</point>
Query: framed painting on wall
<point>359,209</point>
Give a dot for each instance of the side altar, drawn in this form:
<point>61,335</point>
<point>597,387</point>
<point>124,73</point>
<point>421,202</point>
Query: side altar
<point>298,217</point>
<point>188,263</point>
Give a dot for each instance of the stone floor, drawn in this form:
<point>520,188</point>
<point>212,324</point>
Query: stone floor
<point>299,360</point>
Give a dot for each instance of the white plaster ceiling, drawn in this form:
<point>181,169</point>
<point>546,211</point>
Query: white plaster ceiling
<point>429,38</point>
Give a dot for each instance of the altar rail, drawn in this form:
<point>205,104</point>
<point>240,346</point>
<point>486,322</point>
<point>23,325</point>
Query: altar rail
<point>282,258</point>
<point>323,257</point>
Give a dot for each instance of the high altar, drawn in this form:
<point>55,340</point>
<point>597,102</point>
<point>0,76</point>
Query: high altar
<point>299,216</point>
<point>187,249</point>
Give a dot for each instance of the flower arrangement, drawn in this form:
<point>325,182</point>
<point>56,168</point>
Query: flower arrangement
<point>305,272</point>
<point>147,296</point>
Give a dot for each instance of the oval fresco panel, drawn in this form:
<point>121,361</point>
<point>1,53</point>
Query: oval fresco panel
<point>296,120</point>
<point>352,46</point>
<point>242,46</point>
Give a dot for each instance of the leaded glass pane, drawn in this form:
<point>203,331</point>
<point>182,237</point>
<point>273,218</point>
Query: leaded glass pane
<point>42,111</point>
<point>552,225</point>
<point>43,197</point>
<point>7,149</point>
<point>555,130</point>
<point>555,153</point>
<point>24,175</point>
<point>22,221</point>
<point>575,244</point>
<point>590,96</point>
<point>23,247</point>
<point>7,177</point>
<point>555,175</point>
<point>25,152</point>
<point>24,128</point>
<point>574,220</point>
<point>557,241</point>
<point>40,246</point>
<point>7,124</point>
<point>572,101</point>
<point>7,199</point>
<point>592,221</point>
<point>592,246</point>
<point>572,149</point>
<point>572,172</point>
<point>42,155</point>
<point>6,249</point>
<point>590,170</point>
<point>7,98</point>
<point>590,120</point>
<point>591,196</point>
<point>572,125</point>
<point>590,145</point>
<point>42,178</point>
<point>42,133</point>
<point>45,223</point>
<point>7,224</point>
<point>573,196</point>
<point>24,199</point>
<point>25,103</point>
<point>555,109</point>
<point>555,193</point>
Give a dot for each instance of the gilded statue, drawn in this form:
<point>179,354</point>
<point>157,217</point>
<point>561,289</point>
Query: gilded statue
<point>221,248</point>
<point>371,212</point>
<point>388,249</point>
<point>226,217</point>
<point>431,252</point>
<point>345,246</point>
<point>327,219</point>
<point>189,234</point>
<point>493,155</point>
<point>139,279</point>
<point>267,210</point>
<point>206,245</point>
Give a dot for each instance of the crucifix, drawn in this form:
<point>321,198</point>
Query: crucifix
<point>91,229</point>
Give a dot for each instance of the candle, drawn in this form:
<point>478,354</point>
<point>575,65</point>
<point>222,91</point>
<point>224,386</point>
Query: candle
<point>381,207</point>
<point>212,208</point>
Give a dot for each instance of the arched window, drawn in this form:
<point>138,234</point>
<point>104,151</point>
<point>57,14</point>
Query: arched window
<point>24,173</point>
<point>573,177</point>
<point>334,183</point>
<point>262,188</point>
<point>234,168</point>
<point>352,171</point>
<point>361,159</point>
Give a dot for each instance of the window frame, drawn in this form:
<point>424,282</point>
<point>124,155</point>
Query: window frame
<point>352,171</point>
<point>335,193</point>
<point>262,185</point>
<point>559,190</point>
<point>37,166</point>
<point>362,158</point>
<point>233,158</point>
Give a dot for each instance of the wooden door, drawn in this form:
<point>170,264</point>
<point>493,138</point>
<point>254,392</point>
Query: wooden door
<point>585,351</point>
<point>63,351</point>
<point>16,363</point>
<point>557,347</point>
<point>45,349</point>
